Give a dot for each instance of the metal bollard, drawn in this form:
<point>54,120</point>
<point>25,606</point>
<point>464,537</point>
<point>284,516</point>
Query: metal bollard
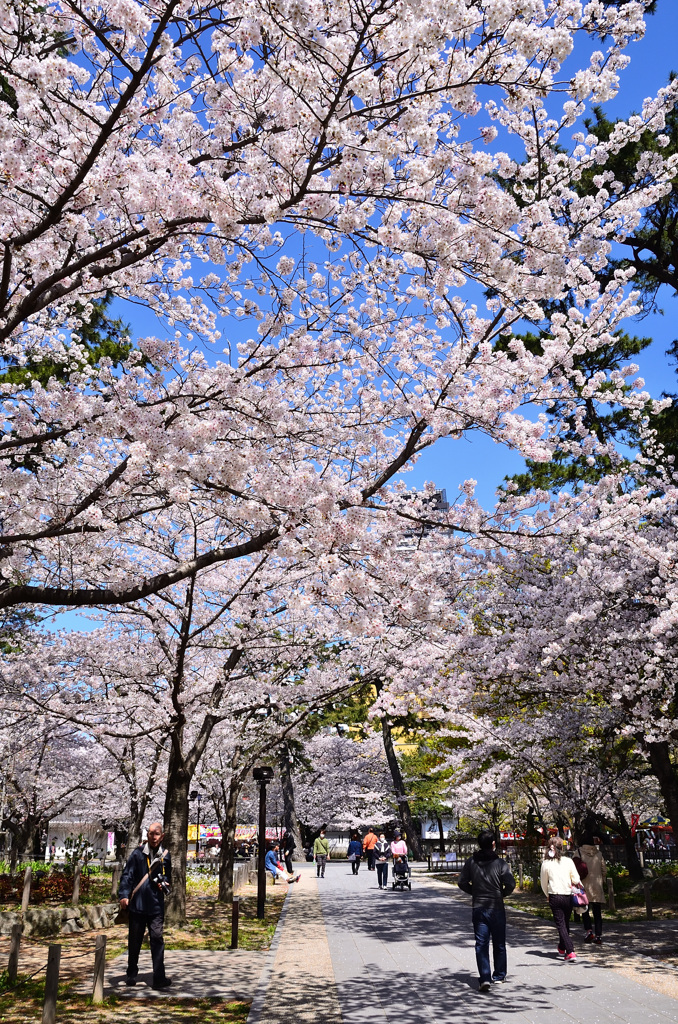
<point>235,922</point>
<point>99,969</point>
<point>610,896</point>
<point>647,888</point>
<point>26,896</point>
<point>51,985</point>
<point>76,886</point>
<point>13,962</point>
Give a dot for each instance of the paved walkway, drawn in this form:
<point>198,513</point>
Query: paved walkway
<point>230,974</point>
<point>409,957</point>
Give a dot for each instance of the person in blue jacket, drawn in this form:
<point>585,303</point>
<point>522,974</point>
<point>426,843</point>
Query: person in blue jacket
<point>355,852</point>
<point>145,881</point>
<point>272,863</point>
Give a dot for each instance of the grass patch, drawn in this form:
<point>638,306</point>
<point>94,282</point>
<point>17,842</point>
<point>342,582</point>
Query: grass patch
<point>209,922</point>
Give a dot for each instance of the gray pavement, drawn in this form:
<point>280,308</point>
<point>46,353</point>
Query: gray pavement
<point>409,957</point>
<point>230,974</point>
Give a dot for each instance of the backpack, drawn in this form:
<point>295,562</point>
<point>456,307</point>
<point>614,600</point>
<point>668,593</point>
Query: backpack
<point>581,865</point>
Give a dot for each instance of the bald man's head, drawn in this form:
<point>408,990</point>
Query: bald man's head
<point>155,834</point>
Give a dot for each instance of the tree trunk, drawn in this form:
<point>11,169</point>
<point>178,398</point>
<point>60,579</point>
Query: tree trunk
<point>176,831</point>
<point>227,855</point>
<point>664,771</point>
<point>290,819</point>
<point>14,852</point>
<point>134,831</point>
<point>439,821</point>
<point>399,787</point>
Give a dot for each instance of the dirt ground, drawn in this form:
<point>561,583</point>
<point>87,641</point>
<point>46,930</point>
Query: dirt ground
<point>208,926</point>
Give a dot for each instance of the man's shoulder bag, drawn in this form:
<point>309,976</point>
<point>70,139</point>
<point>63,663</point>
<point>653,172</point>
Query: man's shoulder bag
<point>122,917</point>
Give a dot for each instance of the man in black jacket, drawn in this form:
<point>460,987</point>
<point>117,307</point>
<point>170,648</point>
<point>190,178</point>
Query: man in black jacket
<point>145,880</point>
<point>488,879</point>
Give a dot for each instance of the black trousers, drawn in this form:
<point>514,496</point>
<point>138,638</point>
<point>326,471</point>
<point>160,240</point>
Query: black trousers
<point>288,864</point>
<point>561,908</point>
<point>355,865</point>
<point>137,928</point>
<point>597,911</point>
<point>371,857</point>
<point>382,872</point>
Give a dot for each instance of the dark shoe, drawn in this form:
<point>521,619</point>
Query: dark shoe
<point>484,986</point>
<point>130,979</point>
<point>598,940</point>
<point>160,985</point>
<point>588,937</point>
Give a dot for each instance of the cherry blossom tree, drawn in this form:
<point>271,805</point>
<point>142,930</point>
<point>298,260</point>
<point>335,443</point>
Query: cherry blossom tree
<point>576,617</point>
<point>343,784</point>
<point>331,179</point>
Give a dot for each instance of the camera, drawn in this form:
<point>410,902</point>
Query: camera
<point>163,885</point>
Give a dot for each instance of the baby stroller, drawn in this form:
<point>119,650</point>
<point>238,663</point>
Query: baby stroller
<point>401,874</point>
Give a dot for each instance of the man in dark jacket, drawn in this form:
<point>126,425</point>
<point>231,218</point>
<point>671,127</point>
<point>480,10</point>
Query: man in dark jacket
<point>488,879</point>
<point>145,880</point>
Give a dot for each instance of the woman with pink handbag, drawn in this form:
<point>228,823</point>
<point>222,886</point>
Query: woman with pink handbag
<point>559,876</point>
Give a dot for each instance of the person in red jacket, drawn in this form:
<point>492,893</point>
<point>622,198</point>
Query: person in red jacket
<point>369,843</point>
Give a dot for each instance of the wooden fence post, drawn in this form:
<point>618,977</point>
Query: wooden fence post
<point>99,969</point>
<point>26,896</point>
<point>76,886</point>
<point>610,896</point>
<point>648,900</point>
<point>51,985</point>
<point>520,875</point>
<point>13,962</point>
<point>235,921</point>
<point>115,880</point>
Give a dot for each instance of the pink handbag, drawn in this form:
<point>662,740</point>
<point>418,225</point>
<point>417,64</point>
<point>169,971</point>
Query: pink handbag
<point>579,897</point>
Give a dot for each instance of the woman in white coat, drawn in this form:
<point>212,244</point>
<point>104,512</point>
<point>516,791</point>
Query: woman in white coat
<point>558,875</point>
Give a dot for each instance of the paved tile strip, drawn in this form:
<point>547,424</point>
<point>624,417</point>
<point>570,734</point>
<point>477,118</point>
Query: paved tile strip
<point>230,974</point>
<point>300,988</point>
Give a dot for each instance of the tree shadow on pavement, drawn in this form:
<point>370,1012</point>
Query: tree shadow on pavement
<point>452,997</point>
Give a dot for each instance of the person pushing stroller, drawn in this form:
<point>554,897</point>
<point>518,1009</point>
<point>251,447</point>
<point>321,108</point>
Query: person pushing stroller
<point>401,867</point>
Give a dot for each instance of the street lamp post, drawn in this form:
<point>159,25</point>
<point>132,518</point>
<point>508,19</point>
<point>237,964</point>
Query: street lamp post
<point>262,776</point>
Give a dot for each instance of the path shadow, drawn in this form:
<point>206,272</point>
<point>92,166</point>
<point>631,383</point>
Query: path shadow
<point>452,997</point>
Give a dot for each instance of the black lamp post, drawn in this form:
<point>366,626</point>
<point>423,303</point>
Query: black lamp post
<point>262,776</point>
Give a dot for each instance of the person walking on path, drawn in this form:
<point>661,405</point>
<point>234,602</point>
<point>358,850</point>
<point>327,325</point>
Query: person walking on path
<point>272,864</point>
<point>382,852</point>
<point>369,842</point>
<point>593,880</point>
<point>321,851</point>
<point>287,849</point>
<point>145,881</point>
<point>558,875</point>
<point>398,846</point>
<point>355,852</point>
<point>488,879</point>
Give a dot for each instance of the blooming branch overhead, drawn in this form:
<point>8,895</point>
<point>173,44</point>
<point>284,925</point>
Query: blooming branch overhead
<point>321,185</point>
